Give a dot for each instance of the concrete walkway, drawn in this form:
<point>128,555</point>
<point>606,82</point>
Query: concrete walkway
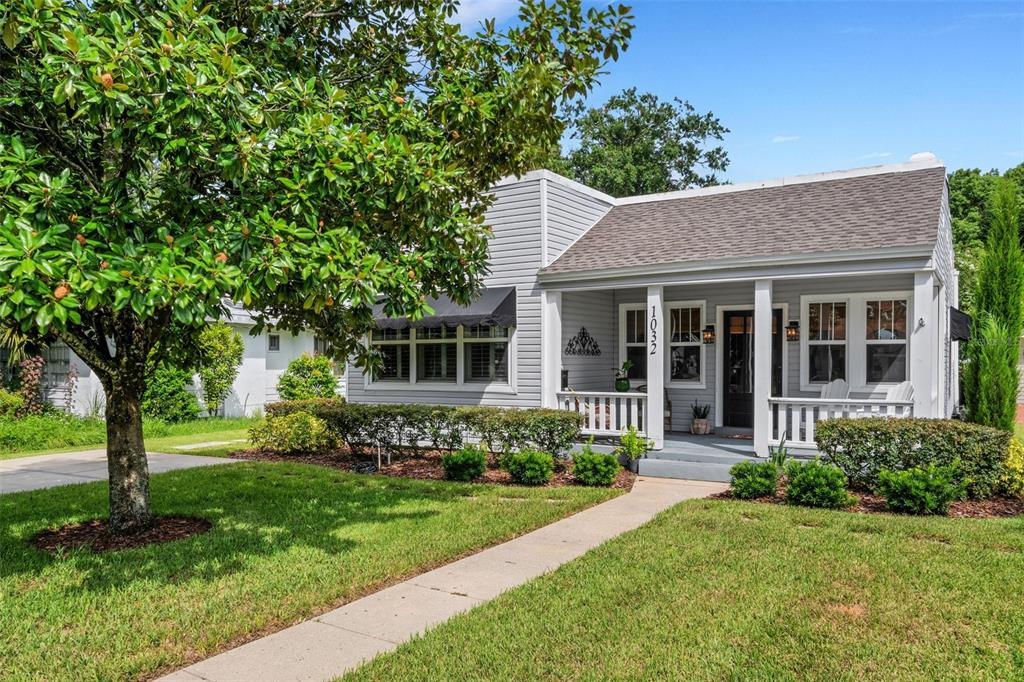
<point>48,471</point>
<point>340,640</point>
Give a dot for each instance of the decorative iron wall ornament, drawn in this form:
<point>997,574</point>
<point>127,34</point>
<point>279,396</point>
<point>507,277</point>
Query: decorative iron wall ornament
<point>583,344</point>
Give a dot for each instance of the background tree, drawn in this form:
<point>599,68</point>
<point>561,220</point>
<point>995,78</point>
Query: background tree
<point>991,377</point>
<point>639,144</point>
<point>308,376</point>
<point>157,158</point>
<point>220,354</point>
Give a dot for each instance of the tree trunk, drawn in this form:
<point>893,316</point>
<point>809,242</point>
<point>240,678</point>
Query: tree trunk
<point>126,458</point>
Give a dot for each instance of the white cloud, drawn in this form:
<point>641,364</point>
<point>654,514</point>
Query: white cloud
<point>785,138</point>
<point>875,155</point>
<point>472,12</point>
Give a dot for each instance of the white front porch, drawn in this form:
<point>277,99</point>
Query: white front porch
<point>757,379</point>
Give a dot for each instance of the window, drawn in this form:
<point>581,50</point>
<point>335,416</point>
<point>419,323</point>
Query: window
<point>273,342</point>
<point>436,354</point>
<point>468,355</point>
<point>322,346</point>
<point>826,341</point>
<point>486,351</point>
<point>634,331</point>
<point>886,339</point>
<point>686,351</point>
<point>58,365</point>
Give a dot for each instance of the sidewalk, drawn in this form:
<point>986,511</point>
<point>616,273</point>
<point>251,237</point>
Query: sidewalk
<point>48,471</point>
<point>338,641</point>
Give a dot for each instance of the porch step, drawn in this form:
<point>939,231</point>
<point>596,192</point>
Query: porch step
<point>694,471</point>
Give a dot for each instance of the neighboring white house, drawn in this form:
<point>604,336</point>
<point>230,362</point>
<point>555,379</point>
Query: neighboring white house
<point>748,298</point>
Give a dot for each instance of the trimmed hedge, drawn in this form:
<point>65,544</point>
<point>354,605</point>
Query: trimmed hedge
<point>291,434</point>
<point>863,447</point>
<point>397,428</point>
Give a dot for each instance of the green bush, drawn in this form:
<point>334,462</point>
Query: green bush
<point>863,447</point>
<point>632,445</point>
<point>815,484</point>
<point>395,428</point>
<point>529,467</point>
<point>594,468</point>
<point>465,464</point>
<point>1012,482</point>
<point>751,480</point>
<point>168,397</point>
<point>10,403</point>
<point>921,490</point>
<point>295,433</point>
<point>220,353</point>
<point>308,376</point>
<point>50,431</point>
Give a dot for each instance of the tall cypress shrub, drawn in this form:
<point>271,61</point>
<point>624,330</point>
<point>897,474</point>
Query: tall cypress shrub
<point>992,377</point>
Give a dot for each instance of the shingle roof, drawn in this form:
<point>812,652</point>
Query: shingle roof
<point>900,208</point>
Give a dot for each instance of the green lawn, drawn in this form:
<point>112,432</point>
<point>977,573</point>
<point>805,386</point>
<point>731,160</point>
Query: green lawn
<point>61,433</point>
<point>289,540</point>
<point>729,590</point>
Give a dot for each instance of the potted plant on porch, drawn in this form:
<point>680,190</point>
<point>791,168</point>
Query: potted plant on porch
<point>700,425</point>
<point>622,376</point>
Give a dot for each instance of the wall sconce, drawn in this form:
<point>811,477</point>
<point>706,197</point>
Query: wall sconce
<point>793,330</point>
<point>709,334</point>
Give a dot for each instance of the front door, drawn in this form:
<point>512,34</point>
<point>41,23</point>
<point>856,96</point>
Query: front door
<point>738,374</point>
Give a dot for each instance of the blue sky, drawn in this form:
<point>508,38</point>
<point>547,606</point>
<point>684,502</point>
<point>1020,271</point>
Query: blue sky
<point>816,86</point>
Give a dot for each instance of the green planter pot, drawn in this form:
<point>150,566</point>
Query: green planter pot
<point>622,385</point>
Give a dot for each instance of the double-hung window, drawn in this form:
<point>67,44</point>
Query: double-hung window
<point>826,341</point>
<point>634,339</point>
<point>686,351</point>
<point>444,355</point>
<point>886,339</point>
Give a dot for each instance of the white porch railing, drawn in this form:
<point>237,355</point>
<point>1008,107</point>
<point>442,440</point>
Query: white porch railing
<point>796,418</point>
<point>607,414</point>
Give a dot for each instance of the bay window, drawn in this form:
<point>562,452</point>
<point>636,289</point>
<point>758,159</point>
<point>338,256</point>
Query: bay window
<point>486,353</point>
<point>393,345</point>
<point>444,355</point>
<point>436,354</point>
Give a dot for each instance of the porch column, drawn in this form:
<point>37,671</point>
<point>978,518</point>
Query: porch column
<point>762,364</point>
<point>657,335</point>
<point>924,328</point>
<point>550,346</point>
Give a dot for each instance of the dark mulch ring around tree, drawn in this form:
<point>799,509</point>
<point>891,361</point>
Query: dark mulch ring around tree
<point>868,503</point>
<point>421,464</point>
<point>96,536</point>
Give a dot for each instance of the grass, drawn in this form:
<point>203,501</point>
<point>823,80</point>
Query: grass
<point>1020,431</point>
<point>731,590</point>
<point>64,433</point>
<point>288,541</point>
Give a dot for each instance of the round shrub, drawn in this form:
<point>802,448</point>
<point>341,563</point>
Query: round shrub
<point>814,484</point>
<point>1012,482</point>
<point>529,467</point>
<point>168,397</point>
<point>308,376</point>
<point>594,468</point>
<point>751,480</point>
<point>10,403</point>
<point>921,490</point>
<point>465,464</point>
<point>290,434</point>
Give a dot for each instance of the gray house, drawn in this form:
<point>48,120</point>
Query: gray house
<point>777,304</point>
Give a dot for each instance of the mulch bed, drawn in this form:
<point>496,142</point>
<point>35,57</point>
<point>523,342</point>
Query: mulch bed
<point>867,503</point>
<point>97,537</point>
<point>422,465</point>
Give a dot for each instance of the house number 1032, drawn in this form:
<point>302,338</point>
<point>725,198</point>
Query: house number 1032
<point>654,329</point>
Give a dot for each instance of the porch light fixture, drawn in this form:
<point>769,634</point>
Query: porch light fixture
<point>709,334</point>
<point>793,330</point>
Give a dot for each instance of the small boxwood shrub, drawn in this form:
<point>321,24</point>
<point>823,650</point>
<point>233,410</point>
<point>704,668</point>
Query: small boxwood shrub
<point>308,376</point>
<point>816,484</point>
<point>10,403</point>
<point>594,468</point>
<point>529,467</point>
<point>863,447</point>
<point>751,480</point>
<point>465,464</point>
<point>291,434</point>
<point>920,490</point>
<point>1012,482</point>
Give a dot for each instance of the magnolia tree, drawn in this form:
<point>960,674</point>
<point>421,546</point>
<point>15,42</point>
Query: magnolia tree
<point>301,158</point>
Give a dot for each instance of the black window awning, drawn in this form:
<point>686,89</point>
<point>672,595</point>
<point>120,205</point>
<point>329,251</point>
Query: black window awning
<point>494,306</point>
<point>959,325</point>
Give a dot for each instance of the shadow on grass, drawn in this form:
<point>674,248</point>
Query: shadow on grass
<point>257,510</point>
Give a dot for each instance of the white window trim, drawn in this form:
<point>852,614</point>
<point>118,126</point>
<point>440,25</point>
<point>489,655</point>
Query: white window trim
<point>856,337</point>
<point>675,383</point>
<point>623,307</point>
<point>806,342</point>
<point>720,353</point>
<point>274,350</point>
<point>460,384</point>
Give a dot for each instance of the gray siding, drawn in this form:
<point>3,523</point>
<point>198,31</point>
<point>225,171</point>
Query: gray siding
<point>946,270</point>
<point>595,311</point>
<point>570,214</point>
<point>515,257</point>
<point>580,305</point>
